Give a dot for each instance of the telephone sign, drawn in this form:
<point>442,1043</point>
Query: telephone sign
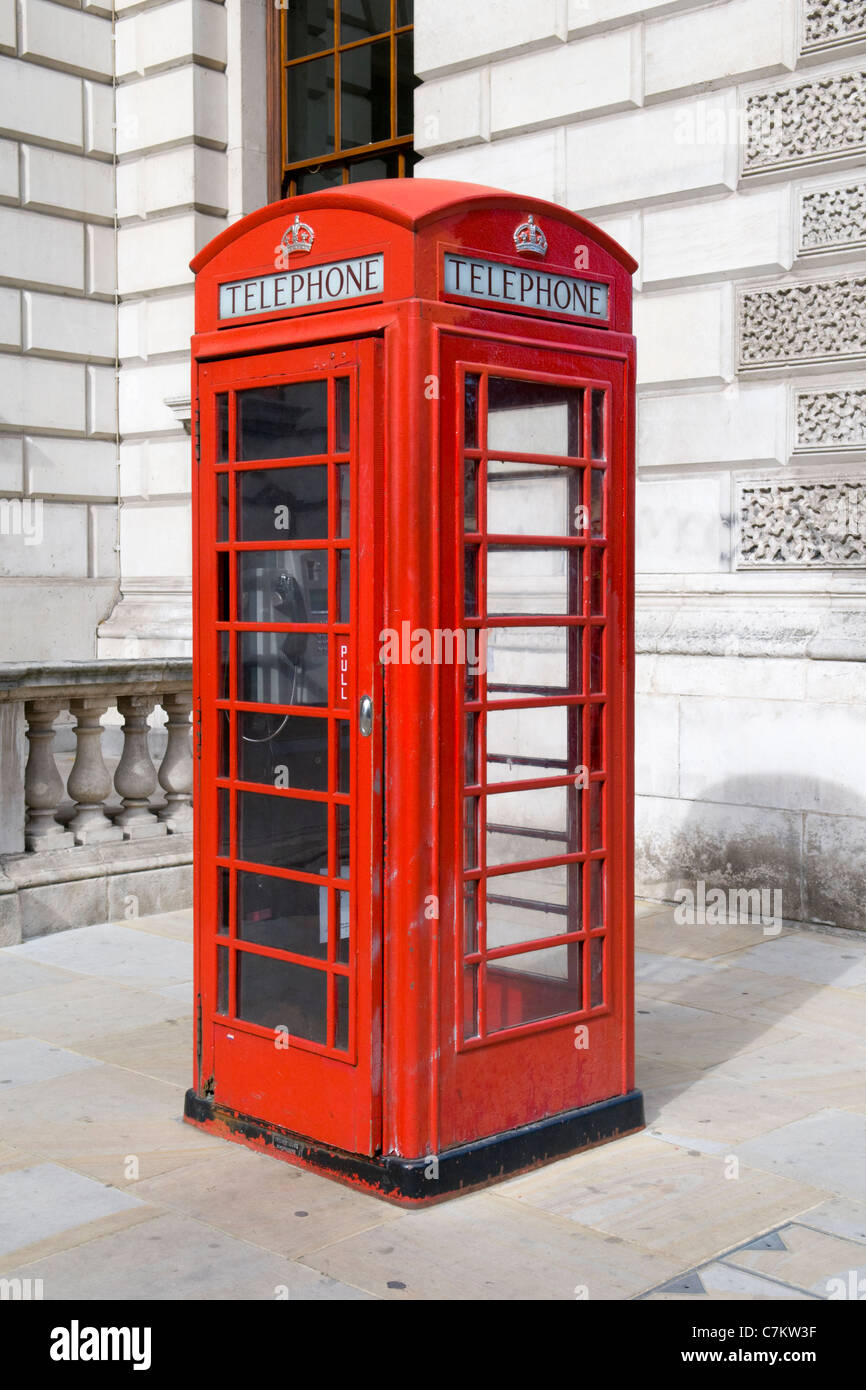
<point>413,531</point>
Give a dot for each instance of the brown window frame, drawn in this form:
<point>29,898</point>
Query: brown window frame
<point>281,183</point>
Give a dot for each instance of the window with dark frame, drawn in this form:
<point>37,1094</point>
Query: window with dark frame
<point>342,87</point>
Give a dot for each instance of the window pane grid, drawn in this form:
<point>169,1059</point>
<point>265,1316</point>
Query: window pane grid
<point>299,915</point>
<point>371,76</point>
<point>547,957</point>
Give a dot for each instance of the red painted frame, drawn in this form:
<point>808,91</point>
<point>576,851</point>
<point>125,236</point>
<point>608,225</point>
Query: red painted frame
<point>432,1089</point>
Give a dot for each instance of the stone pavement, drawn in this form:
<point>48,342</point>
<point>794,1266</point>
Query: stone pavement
<point>749,1182</point>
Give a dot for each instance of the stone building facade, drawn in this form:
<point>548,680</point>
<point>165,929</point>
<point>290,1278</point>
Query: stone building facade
<point>722,142</point>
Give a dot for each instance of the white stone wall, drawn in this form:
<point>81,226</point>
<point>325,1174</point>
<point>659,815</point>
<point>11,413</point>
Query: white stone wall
<point>172,197</point>
<point>58,471</point>
<point>723,144</point>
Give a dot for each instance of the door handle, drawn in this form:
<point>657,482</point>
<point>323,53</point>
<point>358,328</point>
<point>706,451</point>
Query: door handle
<point>366,716</point>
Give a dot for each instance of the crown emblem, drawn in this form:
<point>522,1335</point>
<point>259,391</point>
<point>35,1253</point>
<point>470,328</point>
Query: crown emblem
<point>529,239</point>
<point>298,237</point>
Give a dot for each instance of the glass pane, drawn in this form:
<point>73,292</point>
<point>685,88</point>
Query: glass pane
<point>309,110</point>
<point>470,495</point>
<point>365,110</point>
<point>530,417</point>
<point>538,984</point>
<point>470,581</point>
<point>526,744</point>
<point>363,170</point>
<point>283,832</point>
<point>309,26</point>
<point>528,825</point>
<point>283,504</point>
<point>598,424</point>
<point>596,971</point>
<point>344,843</point>
<point>286,421</point>
<point>280,994</point>
<point>470,751</point>
<point>344,756</point>
<point>470,425</point>
<point>224,881</point>
<point>328,176</point>
<point>470,833</point>
<point>596,507</point>
<point>283,668</point>
<point>470,1001</point>
<point>403,12</point>
<point>283,914</point>
<point>224,730</point>
<point>283,586</point>
<point>344,519</point>
<point>222,403</point>
<point>470,918</point>
<point>344,593</point>
<point>596,815</point>
<point>528,500</point>
<point>533,579</point>
<point>223,590</point>
<point>360,19</point>
<point>596,582</point>
<point>343,433</point>
<point>283,750</point>
<point>533,661</point>
<point>596,663</point>
<point>596,755</point>
<point>341,1023</point>
<point>531,906</point>
<point>222,980</point>
<point>222,506</point>
<point>596,893</point>
<point>406,84</point>
<point>224,818</point>
<point>341,907</point>
<point>223,658</point>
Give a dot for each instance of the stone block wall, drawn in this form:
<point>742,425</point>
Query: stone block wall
<point>723,144</point>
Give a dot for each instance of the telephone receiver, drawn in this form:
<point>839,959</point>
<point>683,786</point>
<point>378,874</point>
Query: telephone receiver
<point>287,597</point>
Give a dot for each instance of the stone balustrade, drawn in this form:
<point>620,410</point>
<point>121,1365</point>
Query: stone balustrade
<point>84,792</point>
<point>87,691</point>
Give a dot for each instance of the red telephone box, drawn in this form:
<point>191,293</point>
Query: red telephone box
<point>413,515</point>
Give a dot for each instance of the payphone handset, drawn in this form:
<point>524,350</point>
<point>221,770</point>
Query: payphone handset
<point>286,587</point>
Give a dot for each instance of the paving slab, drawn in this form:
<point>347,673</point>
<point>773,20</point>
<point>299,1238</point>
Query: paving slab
<point>826,1149</point>
<point>161,1050</point>
<point>104,1112</point>
<point>839,1216</point>
<point>82,1006</point>
<point>682,1035</point>
<point>24,1060</point>
<point>39,1201</point>
<point>680,1201</point>
<point>19,973</point>
<point>173,1257</point>
<point>484,1247</point>
<point>666,937</point>
<point>823,1264</point>
<point>721,1282</point>
<point>274,1204</point>
<point>816,959</point>
<point>113,952</point>
<point>178,925</point>
<point>722,1110</point>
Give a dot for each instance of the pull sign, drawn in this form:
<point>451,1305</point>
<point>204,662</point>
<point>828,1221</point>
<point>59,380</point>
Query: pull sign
<point>365,721</point>
<point>343,671</point>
